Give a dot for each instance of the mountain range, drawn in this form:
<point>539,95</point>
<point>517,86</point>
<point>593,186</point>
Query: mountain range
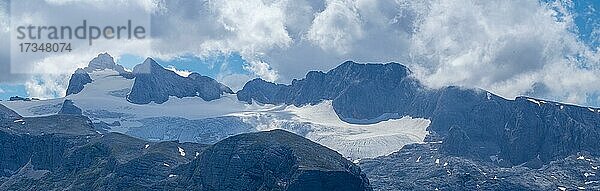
<point>402,134</point>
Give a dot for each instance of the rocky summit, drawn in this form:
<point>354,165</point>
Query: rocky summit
<point>153,83</point>
<point>359,91</point>
<point>105,61</point>
<point>81,77</point>
<point>78,81</point>
<point>275,160</point>
<point>69,108</point>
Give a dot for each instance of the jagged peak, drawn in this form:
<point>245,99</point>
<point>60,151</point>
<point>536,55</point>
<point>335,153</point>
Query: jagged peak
<point>151,77</point>
<point>349,66</point>
<point>80,71</point>
<point>101,62</point>
<point>105,61</point>
<point>150,60</point>
<point>148,66</point>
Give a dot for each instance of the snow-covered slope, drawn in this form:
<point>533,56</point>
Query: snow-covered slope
<point>110,90</point>
<point>320,123</point>
<point>196,120</point>
<point>192,119</point>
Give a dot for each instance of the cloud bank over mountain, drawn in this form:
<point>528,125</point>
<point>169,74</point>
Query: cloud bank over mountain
<point>509,48</point>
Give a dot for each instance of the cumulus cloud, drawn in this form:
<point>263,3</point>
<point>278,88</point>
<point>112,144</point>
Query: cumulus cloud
<point>337,27</point>
<point>234,81</point>
<point>509,47</point>
<point>46,75</point>
<point>183,73</point>
<point>504,47</point>
<point>46,86</point>
<point>262,69</point>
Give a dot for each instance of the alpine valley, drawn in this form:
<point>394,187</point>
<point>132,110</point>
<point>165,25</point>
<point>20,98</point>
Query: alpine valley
<point>355,127</point>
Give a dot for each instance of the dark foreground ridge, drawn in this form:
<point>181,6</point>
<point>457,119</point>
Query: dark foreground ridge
<point>274,160</point>
<point>66,152</point>
<point>424,167</point>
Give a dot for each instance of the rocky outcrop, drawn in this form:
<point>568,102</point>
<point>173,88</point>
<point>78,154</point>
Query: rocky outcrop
<point>153,83</point>
<point>19,98</point>
<point>358,91</point>
<point>63,151</point>
<point>105,61</point>
<point>8,115</point>
<point>78,81</point>
<point>425,167</point>
<point>68,108</point>
<point>274,160</point>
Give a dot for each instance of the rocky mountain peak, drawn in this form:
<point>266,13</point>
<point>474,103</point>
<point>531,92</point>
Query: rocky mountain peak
<point>149,66</point>
<point>105,61</point>
<point>153,83</point>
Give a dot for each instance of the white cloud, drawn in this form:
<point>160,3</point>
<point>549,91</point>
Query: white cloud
<point>504,47</point>
<point>48,74</point>
<point>47,86</point>
<point>2,91</point>
<point>337,27</point>
<point>234,81</point>
<point>508,47</point>
<point>148,5</point>
<point>183,73</point>
<point>263,70</point>
<point>253,28</point>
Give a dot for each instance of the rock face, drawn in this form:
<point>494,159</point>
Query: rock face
<point>495,126</point>
<point>105,61</point>
<point>358,91</point>
<point>153,83</point>
<point>274,160</point>
<point>78,80</point>
<point>18,98</point>
<point>8,115</point>
<point>69,108</point>
<point>100,162</point>
<point>64,151</point>
<point>424,167</point>
<point>81,77</point>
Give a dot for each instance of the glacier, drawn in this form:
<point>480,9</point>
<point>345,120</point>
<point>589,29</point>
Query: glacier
<point>191,119</point>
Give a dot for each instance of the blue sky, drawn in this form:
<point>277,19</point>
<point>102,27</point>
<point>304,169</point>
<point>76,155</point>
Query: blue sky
<point>586,20</point>
<point>8,91</point>
<point>210,66</point>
